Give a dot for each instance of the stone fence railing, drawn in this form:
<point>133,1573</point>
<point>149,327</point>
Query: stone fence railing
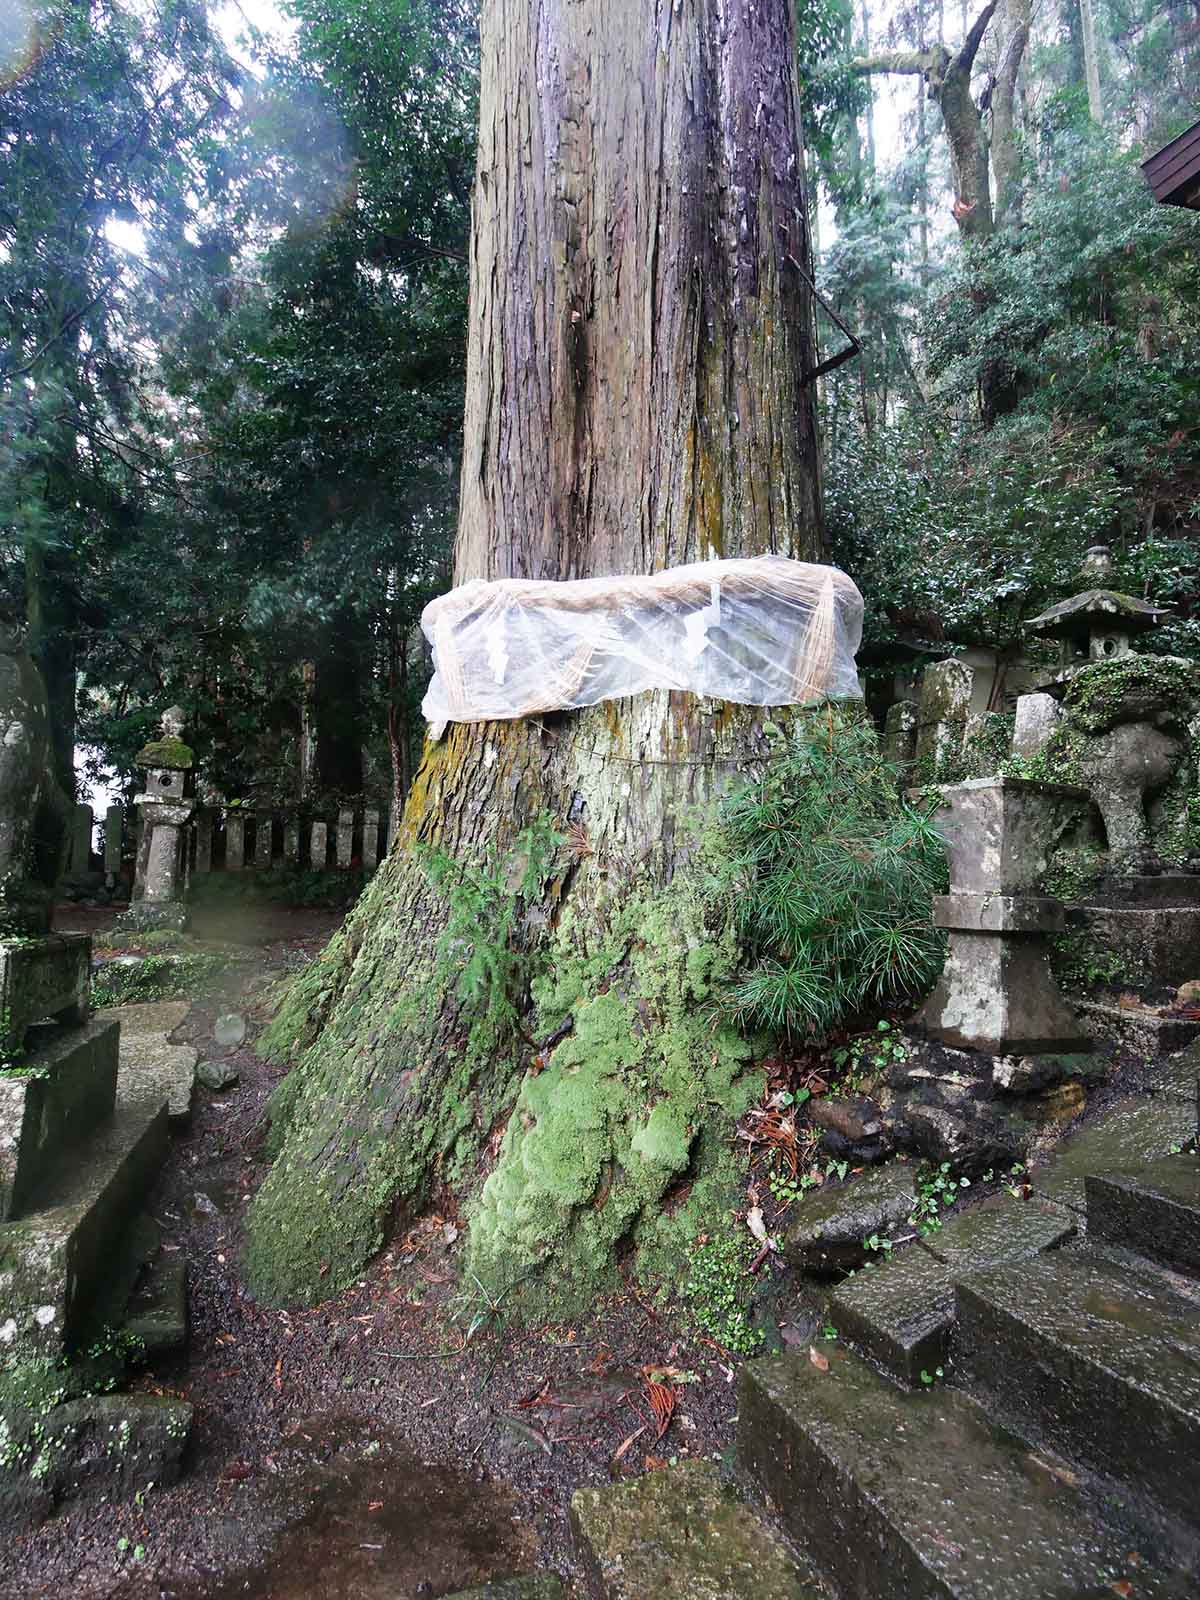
<point>234,838</point>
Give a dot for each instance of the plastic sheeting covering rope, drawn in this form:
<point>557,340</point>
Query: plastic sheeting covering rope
<point>765,631</point>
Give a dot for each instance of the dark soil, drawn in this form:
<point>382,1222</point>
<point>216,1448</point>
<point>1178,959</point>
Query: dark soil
<point>366,1447</point>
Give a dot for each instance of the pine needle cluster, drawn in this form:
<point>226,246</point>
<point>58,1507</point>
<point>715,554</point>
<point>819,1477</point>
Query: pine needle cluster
<point>838,871</point>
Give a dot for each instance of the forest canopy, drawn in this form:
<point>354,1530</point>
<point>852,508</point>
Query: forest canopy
<point>233,270</point>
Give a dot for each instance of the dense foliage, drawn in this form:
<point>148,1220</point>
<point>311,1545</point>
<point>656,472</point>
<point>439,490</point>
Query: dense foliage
<point>233,303</point>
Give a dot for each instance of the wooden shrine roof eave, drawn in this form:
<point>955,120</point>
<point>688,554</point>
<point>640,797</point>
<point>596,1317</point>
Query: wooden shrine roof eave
<point>1173,172</point>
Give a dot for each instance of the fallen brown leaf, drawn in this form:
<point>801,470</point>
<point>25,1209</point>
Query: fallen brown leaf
<point>818,1360</point>
<point>1122,1586</point>
<point>1063,1474</point>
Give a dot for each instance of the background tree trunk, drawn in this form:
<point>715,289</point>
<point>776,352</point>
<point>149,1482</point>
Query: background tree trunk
<point>1091,61</point>
<point>1006,155</point>
<point>640,333</point>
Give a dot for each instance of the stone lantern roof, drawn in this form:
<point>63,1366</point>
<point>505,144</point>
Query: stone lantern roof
<point>1097,623</point>
<point>1096,611</point>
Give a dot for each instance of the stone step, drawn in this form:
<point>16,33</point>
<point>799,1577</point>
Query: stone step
<point>109,1444</point>
<point>150,1064</point>
<point>64,1085</point>
<point>157,1313</point>
<point>826,1230</point>
<point>681,1531</point>
<point>1133,1132</point>
<point>900,1312</point>
<point>1096,1362</point>
<point>1155,1211</point>
<point>900,1496</point>
<point>56,1262</point>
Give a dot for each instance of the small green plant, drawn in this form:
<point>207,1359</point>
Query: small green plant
<point>837,871</point>
<point>929,1378</point>
<point>877,1242</point>
<point>787,1189</point>
<point>878,1051</point>
<point>937,1190</point>
<point>718,1290</point>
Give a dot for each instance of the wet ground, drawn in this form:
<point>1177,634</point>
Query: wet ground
<point>364,1448</point>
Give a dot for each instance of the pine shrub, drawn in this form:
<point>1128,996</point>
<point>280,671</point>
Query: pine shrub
<point>837,870</point>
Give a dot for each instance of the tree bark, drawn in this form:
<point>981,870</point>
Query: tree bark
<point>640,338</point>
<point>1006,156</point>
<point>947,75</point>
<point>1091,62</point>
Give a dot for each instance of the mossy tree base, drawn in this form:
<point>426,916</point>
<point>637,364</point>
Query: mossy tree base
<point>598,1095</point>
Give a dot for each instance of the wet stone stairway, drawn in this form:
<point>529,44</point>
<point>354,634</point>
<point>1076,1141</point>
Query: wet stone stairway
<point>1062,1457</point>
<point>1059,1459</point>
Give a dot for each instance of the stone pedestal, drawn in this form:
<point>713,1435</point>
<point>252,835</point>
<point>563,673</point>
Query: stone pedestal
<point>161,880</point>
<point>996,992</point>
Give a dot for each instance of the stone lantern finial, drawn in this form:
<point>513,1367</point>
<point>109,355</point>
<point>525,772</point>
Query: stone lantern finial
<point>1096,571</point>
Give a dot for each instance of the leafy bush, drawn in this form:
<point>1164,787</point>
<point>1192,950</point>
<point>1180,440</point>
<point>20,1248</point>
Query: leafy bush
<point>838,872</point>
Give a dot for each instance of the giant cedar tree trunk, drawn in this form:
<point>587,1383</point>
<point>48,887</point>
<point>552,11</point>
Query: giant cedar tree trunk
<point>636,398</point>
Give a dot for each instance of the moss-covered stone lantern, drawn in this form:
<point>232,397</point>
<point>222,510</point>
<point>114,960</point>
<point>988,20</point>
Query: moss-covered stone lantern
<point>1096,624</point>
<point>160,881</point>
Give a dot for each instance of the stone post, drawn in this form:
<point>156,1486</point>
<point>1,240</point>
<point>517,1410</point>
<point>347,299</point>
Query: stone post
<point>319,846</point>
<point>345,838</point>
<point>370,849</point>
<point>264,825</point>
<point>235,841</point>
<point>900,735</point>
<point>204,840</point>
<point>947,689</point>
<point>114,828</point>
<point>996,992</point>
<point>82,823</point>
<point>1038,715</point>
<point>291,842</point>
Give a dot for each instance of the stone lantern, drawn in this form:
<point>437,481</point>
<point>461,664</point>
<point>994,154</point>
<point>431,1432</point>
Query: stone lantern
<point>1095,624</point>
<point>160,882</point>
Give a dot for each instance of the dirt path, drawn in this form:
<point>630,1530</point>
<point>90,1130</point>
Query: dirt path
<point>360,1449</point>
